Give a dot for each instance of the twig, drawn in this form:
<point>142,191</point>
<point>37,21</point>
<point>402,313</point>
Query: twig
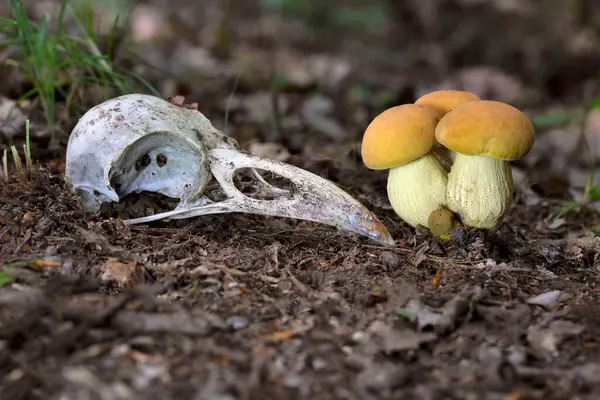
<point>268,187</point>
<point>230,271</point>
<point>430,257</point>
<point>301,286</point>
<point>23,242</point>
<point>147,229</point>
<point>275,249</point>
<point>5,165</point>
<point>27,150</point>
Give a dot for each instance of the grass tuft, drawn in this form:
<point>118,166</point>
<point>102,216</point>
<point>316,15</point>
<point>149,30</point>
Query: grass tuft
<point>63,64</point>
<point>6,278</point>
<point>18,164</point>
<point>27,148</point>
<point>23,173</point>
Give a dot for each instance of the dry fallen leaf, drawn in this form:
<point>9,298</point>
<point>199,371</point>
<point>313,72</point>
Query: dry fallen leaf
<point>12,116</point>
<point>45,264</point>
<point>488,82</point>
<point>394,340</point>
<point>435,282</point>
<point>514,395</point>
<point>587,374</point>
<point>280,336</point>
<point>579,247</point>
<point>544,340</point>
<point>125,274</point>
<point>135,322</point>
<point>149,22</point>
<point>444,320</point>
<point>304,70</point>
<point>274,151</point>
<point>547,299</point>
<point>316,113</point>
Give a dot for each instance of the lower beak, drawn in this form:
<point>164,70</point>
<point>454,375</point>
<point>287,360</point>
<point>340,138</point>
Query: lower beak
<point>313,198</point>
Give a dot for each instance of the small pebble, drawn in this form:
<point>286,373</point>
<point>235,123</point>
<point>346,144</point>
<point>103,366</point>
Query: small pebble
<point>318,364</point>
<point>358,336</point>
<point>547,299</point>
<point>390,260</point>
<point>459,236</point>
<point>237,322</point>
<point>293,381</point>
<point>211,285</point>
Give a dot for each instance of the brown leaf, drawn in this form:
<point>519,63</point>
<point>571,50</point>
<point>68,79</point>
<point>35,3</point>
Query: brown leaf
<point>150,323</point>
<point>125,274</point>
<point>274,151</point>
<point>544,340</point>
<point>45,264</point>
<point>394,340</point>
<point>280,335</point>
<point>580,247</point>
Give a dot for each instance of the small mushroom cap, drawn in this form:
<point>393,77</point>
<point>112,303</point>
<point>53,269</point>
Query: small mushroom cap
<point>489,128</point>
<point>399,135</point>
<point>444,101</point>
<point>441,222</point>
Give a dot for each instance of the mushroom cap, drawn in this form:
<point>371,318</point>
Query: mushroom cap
<point>441,222</point>
<point>487,127</point>
<point>399,135</point>
<point>444,101</point>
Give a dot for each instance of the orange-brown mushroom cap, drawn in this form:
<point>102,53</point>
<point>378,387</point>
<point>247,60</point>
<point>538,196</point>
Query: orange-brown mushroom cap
<point>444,101</point>
<point>399,135</point>
<point>487,127</point>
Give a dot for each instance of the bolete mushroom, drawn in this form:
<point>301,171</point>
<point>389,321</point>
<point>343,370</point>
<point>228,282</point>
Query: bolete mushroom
<point>400,139</point>
<point>485,135</point>
<point>442,102</point>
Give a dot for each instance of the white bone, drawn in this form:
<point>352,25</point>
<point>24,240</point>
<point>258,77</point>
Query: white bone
<point>116,148</point>
<point>313,198</point>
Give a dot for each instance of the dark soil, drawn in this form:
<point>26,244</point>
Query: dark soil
<point>240,306</point>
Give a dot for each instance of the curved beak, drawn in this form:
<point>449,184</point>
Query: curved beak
<point>313,198</point>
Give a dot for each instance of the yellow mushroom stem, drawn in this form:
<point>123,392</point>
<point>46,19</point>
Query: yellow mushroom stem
<point>417,188</point>
<point>480,190</point>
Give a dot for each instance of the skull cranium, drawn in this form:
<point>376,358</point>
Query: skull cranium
<point>137,142</point>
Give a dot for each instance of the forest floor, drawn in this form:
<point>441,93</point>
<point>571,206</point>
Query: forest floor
<point>240,306</point>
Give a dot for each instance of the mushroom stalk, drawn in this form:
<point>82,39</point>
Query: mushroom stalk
<point>418,188</point>
<point>480,189</point>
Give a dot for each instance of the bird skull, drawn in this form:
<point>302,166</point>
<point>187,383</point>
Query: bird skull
<point>136,143</point>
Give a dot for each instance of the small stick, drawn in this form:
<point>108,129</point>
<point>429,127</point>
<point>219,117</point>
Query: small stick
<point>27,161</point>
<point>27,149</point>
<point>5,165</point>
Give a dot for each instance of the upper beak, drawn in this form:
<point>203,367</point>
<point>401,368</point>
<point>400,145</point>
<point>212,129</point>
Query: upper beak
<point>313,198</point>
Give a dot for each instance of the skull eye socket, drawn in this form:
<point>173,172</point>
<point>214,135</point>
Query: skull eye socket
<point>142,162</point>
<point>161,160</point>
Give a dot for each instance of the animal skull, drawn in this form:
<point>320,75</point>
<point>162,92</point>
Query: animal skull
<point>136,142</point>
